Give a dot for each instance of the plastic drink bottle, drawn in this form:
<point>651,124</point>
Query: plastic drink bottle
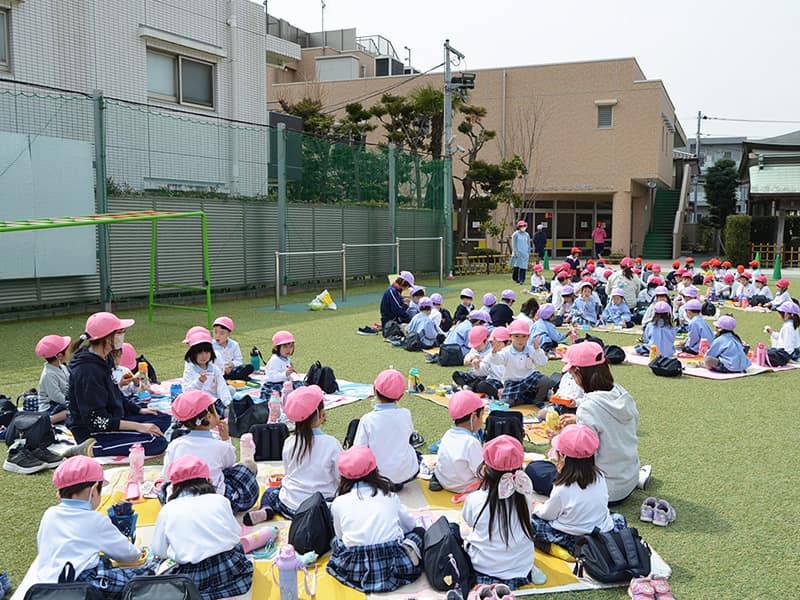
<point>275,409</point>
<point>653,352</point>
<point>144,379</point>
<point>287,564</point>
<point>255,358</point>
<point>552,418</point>
<point>247,448</point>
<point>259,539</point>
<point>136,459</point>
<point>704,346</point>
<point>288,388</point>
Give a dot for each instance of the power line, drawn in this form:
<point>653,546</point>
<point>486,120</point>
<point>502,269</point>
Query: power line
<point>706,117</point>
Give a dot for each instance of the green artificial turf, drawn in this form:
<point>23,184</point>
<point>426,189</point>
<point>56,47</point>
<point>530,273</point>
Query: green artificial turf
<point>724,453</point>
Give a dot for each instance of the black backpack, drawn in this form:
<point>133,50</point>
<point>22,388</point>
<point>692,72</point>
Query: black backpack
<point>392,329</point>
<point>614,354</point>
<point>244,413</point>
<point>708,309</point>
<point>161,587</point>
<point>7,410</point>
<point>63,591</point>
<point>450,356</point>
<point>447,320</point>
<point>447,565</point>
<point>666,366</point>
<point>504,422</point>
<point>323,377</point>
<point>697,279</point>
<point>778,357</point>
<point>269,440</point>
<point>613,557</point>
<point>33,427</point>
<point>591,338</point>
<point>412,343</point>
<point>350,436</point>
<point>312,526</point>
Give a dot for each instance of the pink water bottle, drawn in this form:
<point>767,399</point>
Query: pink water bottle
<point>704,347</point>
<point>258,539</point>
<point>288,388</point>
<point>761,355</point>
<point>275,407</point>
<point>136,459</point>
<point>287,564</point>
<point>247,448</point>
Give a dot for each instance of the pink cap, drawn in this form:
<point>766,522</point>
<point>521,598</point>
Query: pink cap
<point>710,278</point>
<point>437,299</point>
<point>576,441</point>
<point>500,334</point>
<point>562,275</point>
<point>584,284</point>
<point>77,469</point>
<point>282,337</point>
<point>191,331</point>
<point>662,307</point>
<point>303,402</point>
<point>626,262</point>
<point>390,384</point>
<point>537,268</point>
<point>128,358</point>
<point>655,281</point>
<point>590,268</point>
<point>747,275</point>
<point>519,327</point>
<point>357,462</point>
<point>583,354</point>
<point>463,403</point>
<point>637,271</point>
<point>50,345</point>
<point>477,335</point>
<point>508,295</point>
<point>407,276</point>
<point>425,302</point>
<point>728,278</point>
<point>467,292</point>
<point>199,337</point>
<point>726,323</point>
<point>489,299</point>
<point>191,403</point>
<point>503,453</point>
<point>187,468</point>
<point>225,322</point>
<point>546,311</point>
<point>101,324</point>
<point>656,268</point>
<point>782,283</point>
<point>694,305</point>
<point>521,224</point>
<point>761,279</point>
<point>690,291</point>
<point>608,273</point>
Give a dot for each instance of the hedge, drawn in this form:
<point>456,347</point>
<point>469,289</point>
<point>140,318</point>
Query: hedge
<point>737,239</point>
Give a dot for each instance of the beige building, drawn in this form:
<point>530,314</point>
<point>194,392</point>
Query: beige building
<point>597,136</point>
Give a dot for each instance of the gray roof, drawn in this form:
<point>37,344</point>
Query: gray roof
<point>787,139</point>
<point>717,141</point>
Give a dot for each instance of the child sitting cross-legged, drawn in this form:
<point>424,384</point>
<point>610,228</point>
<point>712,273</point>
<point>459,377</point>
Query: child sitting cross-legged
<point>579,499</point>
<point>482,377</point>
<point>73,533</point>
<point>237,482</point>
<point>459,456</point>
<point>523,383</point>
<point>198,531</point>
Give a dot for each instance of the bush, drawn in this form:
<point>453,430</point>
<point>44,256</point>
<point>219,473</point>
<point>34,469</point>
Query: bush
<point>737,239</point>
<point>485,252</point>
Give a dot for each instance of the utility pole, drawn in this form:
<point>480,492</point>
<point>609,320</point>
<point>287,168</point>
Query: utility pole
<point>408,58</point>
<point>448,157</point>
<point>699,165</point>
<point>324,35</point>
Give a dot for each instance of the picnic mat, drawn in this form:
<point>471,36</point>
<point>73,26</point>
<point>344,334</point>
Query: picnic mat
<point>426,506</point>
<point>693,366</point>
<point>581,329</point>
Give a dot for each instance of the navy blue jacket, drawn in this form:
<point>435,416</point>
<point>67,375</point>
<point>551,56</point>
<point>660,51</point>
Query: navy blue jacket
<point>392,306</point>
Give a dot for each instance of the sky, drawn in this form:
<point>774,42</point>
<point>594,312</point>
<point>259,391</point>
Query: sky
<point>736,59</point>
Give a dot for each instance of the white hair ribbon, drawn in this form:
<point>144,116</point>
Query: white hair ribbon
<point>514,482</point>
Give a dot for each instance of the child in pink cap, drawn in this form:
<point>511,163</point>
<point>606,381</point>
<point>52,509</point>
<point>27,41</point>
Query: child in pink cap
<point>54,380</point>
<point>124,366</point>
<point>781,294</point>
<point>762,294</point>
<point>73,533</point>
<point>482,377</point>
<point>500,544</point>
<point>538,283</point>
<point>228,351</point>
<point>195,410</point>
<point>309,458</point>
<point>459,456</point>
<point>378,546</point>
<point>201,371</point>
<point>578,501</point>
<point>279,368</point>
<point>388,428</point>
<point>197,530</point>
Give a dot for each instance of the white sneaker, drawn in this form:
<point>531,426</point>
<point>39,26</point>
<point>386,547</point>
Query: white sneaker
<point>644,476</point>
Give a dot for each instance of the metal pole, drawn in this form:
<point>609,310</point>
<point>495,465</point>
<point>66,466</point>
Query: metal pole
<point>153,237</point>
<point>101,198</point>
<point>397,254</point>
<point>206,268</point>
<point>266,95</point>
<point>282,200</point>
<point>277,280</point>
<point>699,166</point>
<point>441,261</point>
<point>448,161</point>
<point>344,272</point>
<point>392,157</point>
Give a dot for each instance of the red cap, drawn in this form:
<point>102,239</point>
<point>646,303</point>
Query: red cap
<point>676,264</point>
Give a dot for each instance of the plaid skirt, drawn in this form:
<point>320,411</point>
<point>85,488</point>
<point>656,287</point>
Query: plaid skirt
<point>111,580</point>
<point>375,568</point>
<point>271,500</point>
<point>276,386</point>
<point>544,531</point>
<point>241,487</point>
<point>223,575</point>
<point>524,391</point>
<point>514,583</point>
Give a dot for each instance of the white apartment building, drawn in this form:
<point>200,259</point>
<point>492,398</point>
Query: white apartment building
<point>713,149</point>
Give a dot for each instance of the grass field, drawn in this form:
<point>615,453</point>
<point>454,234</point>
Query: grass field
<point>724,453</point>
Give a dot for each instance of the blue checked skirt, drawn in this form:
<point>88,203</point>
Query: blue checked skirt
<point>271,500</point>
<point>223,575</point>
<point>544,531</point>
<point>516,582</point>
<point>521,391</point>
<point>375,568</point>
<point>276,386</point>
<point>110,579</point>
<point>241,488</point>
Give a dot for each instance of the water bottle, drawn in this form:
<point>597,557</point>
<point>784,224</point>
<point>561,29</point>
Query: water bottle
<point>259,539</point>
<point>713,295</point>
<point>247,448</point>
<point>552,418</point>
<point>704,346</point>
<point>653,352</point>
<point>287,564</point>
<point>175,390</point>
<point>144,379</point>
<point>136,459</point>
<point>255,358</point>
<point>288,388</point>
<point>275,408</point>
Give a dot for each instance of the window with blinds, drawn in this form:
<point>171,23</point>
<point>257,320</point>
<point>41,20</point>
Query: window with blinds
<point>605,117</point>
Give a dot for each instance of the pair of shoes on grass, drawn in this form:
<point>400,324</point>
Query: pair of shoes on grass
<point>650,588</point>
<point>658,512</point>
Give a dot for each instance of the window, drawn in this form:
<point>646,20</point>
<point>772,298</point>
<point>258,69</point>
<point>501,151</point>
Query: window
<point>4,45</point>
<point>180,79</point>
<point>726,155</point>
<point>605,117</point>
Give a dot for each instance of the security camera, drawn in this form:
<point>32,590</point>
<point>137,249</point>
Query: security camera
<point>451,139</point>
<point>460,148</point>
